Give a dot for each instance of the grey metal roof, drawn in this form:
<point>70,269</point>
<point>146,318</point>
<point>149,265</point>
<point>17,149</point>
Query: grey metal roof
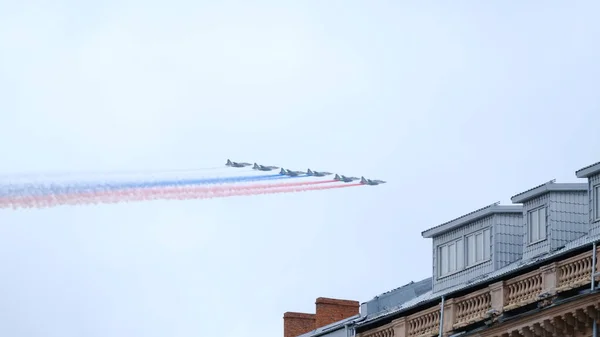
<point>588,170</point>
<point>389,299</point>
<point>470,217</point>
<point>430,296</point>
<point>550,186</point>
<point>398,296</point>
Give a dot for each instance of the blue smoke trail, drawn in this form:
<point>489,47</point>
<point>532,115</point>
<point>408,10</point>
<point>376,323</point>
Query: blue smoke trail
<point>39,189</point>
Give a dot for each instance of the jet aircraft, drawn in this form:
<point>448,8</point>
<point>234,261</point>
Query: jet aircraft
<point>236,164</point>
<point>370,182</point>
<point>317,174</point>
<point>263,167</point>
<point>290,173</point>
<point>344,178</point>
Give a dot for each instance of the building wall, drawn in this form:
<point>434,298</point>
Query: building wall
<point>595,225</point>
<point>568,217</point>
<point>465,275</point>
<point>508,245</point>
<point>531,250</point>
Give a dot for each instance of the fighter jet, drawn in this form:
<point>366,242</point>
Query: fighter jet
<point>235,164</point>
<point>290,173</point>
<point>317,174</point>
<point>344,178</point>
<point>370,182</point>
<point>263,167</point>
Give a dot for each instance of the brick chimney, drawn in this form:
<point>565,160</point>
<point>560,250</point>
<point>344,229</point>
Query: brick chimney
<point>328,310</point>
<point>297,323</point>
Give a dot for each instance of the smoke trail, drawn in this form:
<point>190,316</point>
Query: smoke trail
<point>174,193</point>
<point>62,174</point>
<point>12,190</point>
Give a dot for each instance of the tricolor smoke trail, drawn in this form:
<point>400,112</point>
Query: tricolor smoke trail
<point>168,193</point>
<point>78,187</point>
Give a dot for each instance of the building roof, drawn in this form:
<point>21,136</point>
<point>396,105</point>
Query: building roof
<point>431,297</point>
<point>589,170</point>
<point>494,208</point>
<point>550,186</point>
<point>385,301</point>
<point>398,296</point>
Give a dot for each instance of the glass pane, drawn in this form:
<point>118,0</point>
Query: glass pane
<point>542,220</point>
<point>597,202</point>
<point>533,226</point>
<point>451,257</point>
<point>486,244</point>
<point>444,260</point>
<point>470,250</point>
<point>460,255</point>
<point>479,243</point>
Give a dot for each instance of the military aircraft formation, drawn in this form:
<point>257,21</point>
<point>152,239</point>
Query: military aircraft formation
<point>308,172</point>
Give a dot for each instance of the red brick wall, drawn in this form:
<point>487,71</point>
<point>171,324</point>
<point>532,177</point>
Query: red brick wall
<point>331,310</point>
<point>328,310</point>
<point>297,323</point>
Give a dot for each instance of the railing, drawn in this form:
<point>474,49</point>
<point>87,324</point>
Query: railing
<point>483,304</point>
<point>523,290</point>
<point>425,323</point>
<point>472,307</point>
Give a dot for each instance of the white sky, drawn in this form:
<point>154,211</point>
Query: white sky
<point>456,106</point>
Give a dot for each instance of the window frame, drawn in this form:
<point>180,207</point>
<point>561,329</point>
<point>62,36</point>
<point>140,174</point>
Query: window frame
<point>463,265</point>
<point>459,267</point>
<point>596,195</point>
<point>530,212</point>
<point>467,251</point>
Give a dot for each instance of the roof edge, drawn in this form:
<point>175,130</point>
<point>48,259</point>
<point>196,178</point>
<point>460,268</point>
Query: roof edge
<point>492,209</point>
<point>589,170</point>
<point>550,186</point>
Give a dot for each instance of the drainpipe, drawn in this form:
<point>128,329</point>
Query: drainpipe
<point>593,286</point>
<point>442,318</point>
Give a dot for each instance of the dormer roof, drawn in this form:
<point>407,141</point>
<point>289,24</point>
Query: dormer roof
<point>550,186</point>
<point>589,170</point>
<point>494,208</point>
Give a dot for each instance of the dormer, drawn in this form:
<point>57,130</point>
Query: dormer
<point>475,244</point>
<point>592,173</point>
<point>553,215</point>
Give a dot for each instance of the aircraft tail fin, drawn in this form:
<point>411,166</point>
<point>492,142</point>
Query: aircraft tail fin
<point>337,177</point>
<point>255,166</point>
<point>282,171</point>
<point>228,162</point>
<point>363,180</point>
<point>309,172</point>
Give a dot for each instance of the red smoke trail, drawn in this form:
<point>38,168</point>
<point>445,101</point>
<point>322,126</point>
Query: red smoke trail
<point>169,193</point>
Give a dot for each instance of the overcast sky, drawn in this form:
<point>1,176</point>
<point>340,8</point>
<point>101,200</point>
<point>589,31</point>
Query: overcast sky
<point>456,105</point>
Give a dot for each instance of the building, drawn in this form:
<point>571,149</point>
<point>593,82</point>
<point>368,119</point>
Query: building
<point>336,318</point>
<point>527,269</point>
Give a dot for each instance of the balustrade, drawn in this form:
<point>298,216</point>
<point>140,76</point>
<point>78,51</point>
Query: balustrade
<point>482,304</point>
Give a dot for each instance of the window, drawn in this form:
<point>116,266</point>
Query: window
<point>537,224</point>
<point>597,201</point>
<point>478,247</point>
<point>451,257</point>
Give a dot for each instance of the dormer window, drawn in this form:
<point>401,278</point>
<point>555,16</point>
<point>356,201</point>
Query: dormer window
<point>537,224</point>
<point>451,257</point>
<point>478,247</point>
<point>597,202</point>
